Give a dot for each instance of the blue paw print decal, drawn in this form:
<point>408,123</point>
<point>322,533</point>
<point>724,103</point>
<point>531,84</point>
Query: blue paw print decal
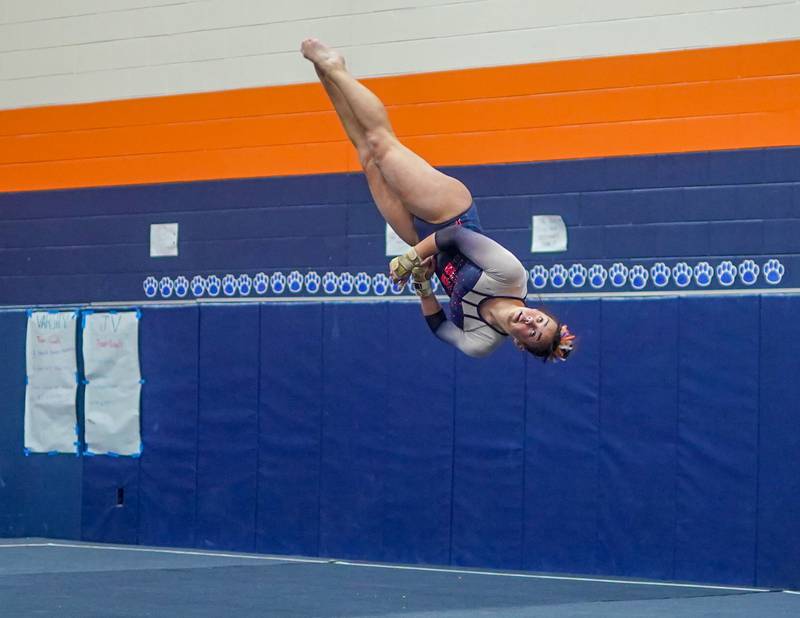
<point>638,277</point>
<point>597,276</point>
<point>577,275</point>
<point>245,284</point>
<point>278,282</point>
<point>538,276</point>
<point>362,283</point>
<point>181,286</point>
<point>295,282</point>
<point>312,280</point>
<point>330,282</point>
<point>726,273</point>
<point>345,283</point>
<point>773,271</point>
<point>659,273</point>
<point>198,285</point>
<point>380,284</point>
<point>261,283</point>
<point>558,276</point>
<point>165,287</point>
<point>150,286</point>
<point>229,285</point>
<point>682,274</point>
<point>397,287</point>
<point>748,272</point>
<point>619,274</point>
<point>703,274</point>
<point>213,285</point>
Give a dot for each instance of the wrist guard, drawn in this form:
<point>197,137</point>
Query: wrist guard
<point>401,266</point>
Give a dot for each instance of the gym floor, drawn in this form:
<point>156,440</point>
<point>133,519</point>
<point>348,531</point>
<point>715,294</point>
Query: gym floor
<point>69,579</point>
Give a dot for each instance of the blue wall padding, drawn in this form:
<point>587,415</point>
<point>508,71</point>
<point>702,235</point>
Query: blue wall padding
<point>291,399</point>
<point>561,450</point>
<point>488,460</point>
<point>666,447</point>
<point>356,374</point>
<point>638,413</point>
<point>40,495</point>
<point>418,428</point>
<point>779,444</point>
<point>53,506</point>
<point>168,339</point>
<point>13,488</point>
<point>718,374</point>
<point>13,494</point>
<point>227,443</point>
<point>102,518</point>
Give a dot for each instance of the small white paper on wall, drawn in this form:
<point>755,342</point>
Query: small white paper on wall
<point>394,244</point>
<point>112,396</point>
<point>51,369</point>
<point>548,234</point>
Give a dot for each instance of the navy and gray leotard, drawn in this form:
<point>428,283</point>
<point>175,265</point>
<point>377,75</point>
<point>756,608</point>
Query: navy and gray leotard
<point>472,268</point>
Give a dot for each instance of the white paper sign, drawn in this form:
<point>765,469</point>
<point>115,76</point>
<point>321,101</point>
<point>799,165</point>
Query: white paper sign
<point>163,239</point>
<point>51,366</point>
<point>111,367</point>
<point>394,244</point>
<point>548,234</point>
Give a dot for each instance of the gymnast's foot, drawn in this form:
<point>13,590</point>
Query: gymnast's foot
<point>324,58</point>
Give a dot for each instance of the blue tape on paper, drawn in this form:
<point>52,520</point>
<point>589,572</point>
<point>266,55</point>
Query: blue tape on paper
<point>27,452</point>
<point>52,453</point>
<point>112,454</point>
<point>53,311</point>
<point>26,380</point>
<point>88,453</point>
<point>83,317</point>
<point>138,314</point>
<point>29,312</point>
<point>113,311</point>
<point>141,380</point>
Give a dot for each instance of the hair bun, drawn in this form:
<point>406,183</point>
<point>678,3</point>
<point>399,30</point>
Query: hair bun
<point>565,345</point>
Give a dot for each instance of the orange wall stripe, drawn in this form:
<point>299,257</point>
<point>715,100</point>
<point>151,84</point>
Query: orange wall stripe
<point>722,98</point>
<point>584,107</point>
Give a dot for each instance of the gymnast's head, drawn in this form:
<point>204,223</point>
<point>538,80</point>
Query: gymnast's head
<point>541,334</point>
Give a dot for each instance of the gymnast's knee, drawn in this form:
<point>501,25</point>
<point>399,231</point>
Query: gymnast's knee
<point>380,142</point>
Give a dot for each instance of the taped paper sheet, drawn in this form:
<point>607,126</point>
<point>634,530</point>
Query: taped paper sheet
<point>548,234</point>
<point>113,383</point>
<point>52,384</point>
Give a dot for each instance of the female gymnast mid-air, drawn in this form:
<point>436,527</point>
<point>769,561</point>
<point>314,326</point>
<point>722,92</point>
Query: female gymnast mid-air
<point>435,214</point>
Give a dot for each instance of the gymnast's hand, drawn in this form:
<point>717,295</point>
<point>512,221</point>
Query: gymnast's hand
<point>421,278</point>
<point>400,267</point>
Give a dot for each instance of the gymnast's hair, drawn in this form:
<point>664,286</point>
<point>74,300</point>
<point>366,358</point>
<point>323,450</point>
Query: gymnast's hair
<point>560,347</point>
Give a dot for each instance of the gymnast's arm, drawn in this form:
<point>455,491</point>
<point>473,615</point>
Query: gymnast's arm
<point>488,255</point>
<point>448,332</point>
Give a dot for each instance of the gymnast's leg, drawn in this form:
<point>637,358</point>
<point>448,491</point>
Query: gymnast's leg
<point>424,191</point>
<point>389,204</point>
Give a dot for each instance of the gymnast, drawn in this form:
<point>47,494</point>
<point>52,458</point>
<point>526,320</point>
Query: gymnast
<point>435,214</point>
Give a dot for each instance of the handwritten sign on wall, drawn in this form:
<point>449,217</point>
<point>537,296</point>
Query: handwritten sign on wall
<point>51,366</point>
<point>113,382</point>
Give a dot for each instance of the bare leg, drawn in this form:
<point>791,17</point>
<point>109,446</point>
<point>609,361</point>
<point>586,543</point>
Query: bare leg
<point>389,204</point>
<point>425,191</point>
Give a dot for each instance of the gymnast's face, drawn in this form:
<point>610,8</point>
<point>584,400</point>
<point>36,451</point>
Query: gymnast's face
<point>532,329</point>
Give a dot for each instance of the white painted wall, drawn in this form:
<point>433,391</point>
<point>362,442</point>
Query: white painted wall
<point>64,51</point>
